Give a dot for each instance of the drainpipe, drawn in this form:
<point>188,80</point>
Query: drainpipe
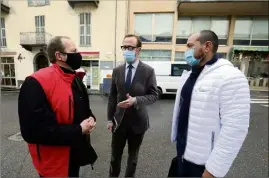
<point>115,35</point>
<point>128,17</point>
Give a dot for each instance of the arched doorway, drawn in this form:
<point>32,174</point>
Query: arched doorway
<point>41,61</point>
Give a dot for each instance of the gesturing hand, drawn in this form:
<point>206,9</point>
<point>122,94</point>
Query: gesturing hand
<point>127,103</point>
<point>110,126</point>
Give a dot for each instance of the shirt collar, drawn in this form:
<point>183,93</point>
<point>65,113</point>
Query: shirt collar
<point>213,60</point>
<point>198,69</point>
<point>135,64</point>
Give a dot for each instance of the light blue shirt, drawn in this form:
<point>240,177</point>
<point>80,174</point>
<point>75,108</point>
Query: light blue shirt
<point>135,64</point>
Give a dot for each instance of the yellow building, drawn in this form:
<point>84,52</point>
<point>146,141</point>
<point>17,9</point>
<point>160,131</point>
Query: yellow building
<point>27,26</point>
<point>242,28</point>
<point>98,28</point>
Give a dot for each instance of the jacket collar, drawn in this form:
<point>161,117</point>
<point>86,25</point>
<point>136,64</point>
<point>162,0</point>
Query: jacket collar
<point>69,77</point>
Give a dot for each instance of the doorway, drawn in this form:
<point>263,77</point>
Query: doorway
<point>41,61</point>
<point>92,73</point>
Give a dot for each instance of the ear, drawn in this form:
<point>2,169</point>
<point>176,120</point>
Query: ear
<point>59,57</point>
<point>208,46</point>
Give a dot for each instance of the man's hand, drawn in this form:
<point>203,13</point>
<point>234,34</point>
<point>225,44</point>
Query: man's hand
<point>110,126</point>
<point>127,103</point>
<point>87,125</point>
<point>207,174</point>
<point>92,123</point>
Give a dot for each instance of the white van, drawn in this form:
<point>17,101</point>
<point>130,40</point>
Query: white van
<point>168,74</point>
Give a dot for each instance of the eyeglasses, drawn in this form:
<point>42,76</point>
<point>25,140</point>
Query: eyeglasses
<point>130,48</point>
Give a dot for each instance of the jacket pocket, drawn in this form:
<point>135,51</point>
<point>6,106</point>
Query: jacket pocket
<point>212,140</point>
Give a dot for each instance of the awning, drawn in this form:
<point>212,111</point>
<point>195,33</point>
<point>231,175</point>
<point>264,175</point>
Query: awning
<point>247,48</point>
<point>221,7</point>
<point>250,48</point>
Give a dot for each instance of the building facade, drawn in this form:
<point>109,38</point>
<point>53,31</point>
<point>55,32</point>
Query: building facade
<point>28,25</point>
<point>242,28</point>
<point>98,28</point>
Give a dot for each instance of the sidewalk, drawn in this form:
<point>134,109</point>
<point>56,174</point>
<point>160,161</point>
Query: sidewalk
<point>259,89</point>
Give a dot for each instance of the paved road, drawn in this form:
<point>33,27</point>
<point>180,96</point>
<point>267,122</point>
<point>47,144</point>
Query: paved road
<point>156,151</point>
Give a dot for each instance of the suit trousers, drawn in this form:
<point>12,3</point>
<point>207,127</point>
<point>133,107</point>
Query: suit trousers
<point>119,138</point>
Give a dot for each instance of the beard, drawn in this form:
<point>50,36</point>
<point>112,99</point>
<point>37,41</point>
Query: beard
<point>200,55</point>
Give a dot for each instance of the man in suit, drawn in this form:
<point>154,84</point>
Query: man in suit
<point>133,87</point>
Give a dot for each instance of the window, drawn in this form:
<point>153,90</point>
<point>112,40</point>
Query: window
<point>154,27</point>
<point>3,41</point>
<point>40,23</point>
<point>85,29</point>
<point>38,2</point>
<point>179,56</point>
<point>177,69</point>
<point>251,31</point>
<point>155,55</point>
<point>40,29</point>
<point>189,25</point>
<point>8,71</point>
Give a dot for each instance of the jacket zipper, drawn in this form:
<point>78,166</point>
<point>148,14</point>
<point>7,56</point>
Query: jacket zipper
<point>69,108</point>
<point>212,140</point>
<point>38,152</point>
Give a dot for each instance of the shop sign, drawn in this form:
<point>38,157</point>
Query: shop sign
<point>90,55</point>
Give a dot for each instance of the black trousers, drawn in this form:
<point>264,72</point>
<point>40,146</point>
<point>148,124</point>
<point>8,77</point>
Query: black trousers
<point>119,139</point>
<point>188,169</point>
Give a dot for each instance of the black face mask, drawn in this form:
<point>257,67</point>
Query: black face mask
<point>74,60</point>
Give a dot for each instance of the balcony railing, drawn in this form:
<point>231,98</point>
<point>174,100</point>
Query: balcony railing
<point>5,2</point>
<point>72,3</point>
<point>5,6</point>
<point>28,40</point>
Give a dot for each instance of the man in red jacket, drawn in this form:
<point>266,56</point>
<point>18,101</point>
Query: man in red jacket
<point>55,115</point>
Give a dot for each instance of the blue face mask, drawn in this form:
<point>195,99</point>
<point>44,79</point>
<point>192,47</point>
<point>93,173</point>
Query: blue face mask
<point>129,56</point>
<point>190,59</point>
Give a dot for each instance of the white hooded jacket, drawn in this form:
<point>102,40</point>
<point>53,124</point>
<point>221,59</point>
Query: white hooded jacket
<point>218,116</point>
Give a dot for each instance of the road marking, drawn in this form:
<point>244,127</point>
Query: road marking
<point>265,105</point>
<point>259,101</point>
<point>16,137</point>
<point>263,96</point>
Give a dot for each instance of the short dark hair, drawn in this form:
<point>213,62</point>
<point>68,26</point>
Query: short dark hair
<point>208,35</point>
<point>55,44</point>
<point>139,43</point>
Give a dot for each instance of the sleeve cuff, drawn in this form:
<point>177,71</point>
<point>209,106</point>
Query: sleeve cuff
<point>210,168</point>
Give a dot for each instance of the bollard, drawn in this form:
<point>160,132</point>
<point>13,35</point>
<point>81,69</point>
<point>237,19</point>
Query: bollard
<point>257,82</point>
<point>265,82</point>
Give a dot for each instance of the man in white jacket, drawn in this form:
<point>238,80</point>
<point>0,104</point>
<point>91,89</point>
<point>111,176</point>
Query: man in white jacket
<point>211,112</point>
